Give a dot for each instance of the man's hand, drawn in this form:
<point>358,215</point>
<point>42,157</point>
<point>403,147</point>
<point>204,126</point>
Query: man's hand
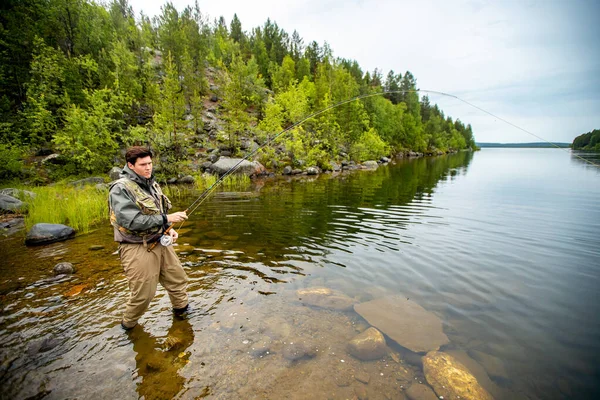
<point>179,216</point>
<point>174,235</point>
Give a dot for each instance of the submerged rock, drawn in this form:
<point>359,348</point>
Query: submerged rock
<point>63,268</point>
<point>325,298</point>
<point>369,345</point>
<point>418,391</point>
<point>492,365</point>
<point>297,350</point>
<point>48,233</point>
<point>450,379</point>
<point>405,322</point>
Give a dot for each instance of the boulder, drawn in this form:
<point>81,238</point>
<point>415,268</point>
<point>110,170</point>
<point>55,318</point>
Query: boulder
<point>405,322</point>
<point>63,268</point>
<point>48,233</point>
<point>115,173</point>
<point>369,345</point>
<point>223,165</point>
<point>312,171</point>
<point>9,204</point>
<point>325,298</point>
<point>450,379</point>
<point>18,193</point>
<point>370,165</point>
<point>287,170</point>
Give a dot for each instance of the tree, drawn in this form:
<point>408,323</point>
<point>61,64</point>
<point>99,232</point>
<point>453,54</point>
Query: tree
<point>169,116</point>
<point>89,135</point>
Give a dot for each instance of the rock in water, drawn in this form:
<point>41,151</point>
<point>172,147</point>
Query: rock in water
<point>405,322</point>
<point>450,379</point>
<point>325,298</point>
<point>417,391</point>
<point>63,268</point>
<point>369,345</point>
<point>48,233</point>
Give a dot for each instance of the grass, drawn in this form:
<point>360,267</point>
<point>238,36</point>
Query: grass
<point>79,208</point>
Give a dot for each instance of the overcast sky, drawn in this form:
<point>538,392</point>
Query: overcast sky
<point>533,63</point>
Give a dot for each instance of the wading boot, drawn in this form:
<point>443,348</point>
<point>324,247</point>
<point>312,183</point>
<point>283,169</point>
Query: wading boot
<point>181,312</point>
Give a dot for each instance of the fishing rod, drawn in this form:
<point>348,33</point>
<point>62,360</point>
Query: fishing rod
<point>166,239</point>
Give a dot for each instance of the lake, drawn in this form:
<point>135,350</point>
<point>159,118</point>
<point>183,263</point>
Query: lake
<point>502,245</point>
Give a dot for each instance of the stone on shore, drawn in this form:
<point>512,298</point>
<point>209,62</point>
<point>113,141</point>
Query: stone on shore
<point>115,173</point>
<point>450,379</point>
<point>245,167</point>
<point>325,298</point>
<point>370,165</point>
<point>405,322</point>
<point>43,233</point>
<point>9,204</point>
<point>367,346</point>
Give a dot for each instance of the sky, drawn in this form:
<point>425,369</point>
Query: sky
<point>534,63</point>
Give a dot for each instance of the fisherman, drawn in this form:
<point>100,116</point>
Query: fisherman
<point>138,213</point>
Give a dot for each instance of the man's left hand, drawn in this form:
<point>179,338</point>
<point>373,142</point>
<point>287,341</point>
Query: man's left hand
<point>174,235</point>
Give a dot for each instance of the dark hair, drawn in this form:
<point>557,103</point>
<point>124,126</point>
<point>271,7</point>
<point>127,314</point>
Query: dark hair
<point>135,152</point>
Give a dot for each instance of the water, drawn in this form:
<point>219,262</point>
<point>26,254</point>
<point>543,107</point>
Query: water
<point>502,245</point>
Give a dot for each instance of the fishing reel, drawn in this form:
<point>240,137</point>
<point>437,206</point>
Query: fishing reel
<point>166,240</point>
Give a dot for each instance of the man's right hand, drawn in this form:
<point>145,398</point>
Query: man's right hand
<point>179,216</point>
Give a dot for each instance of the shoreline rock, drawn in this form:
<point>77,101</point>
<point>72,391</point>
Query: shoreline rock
<point>43,233</point>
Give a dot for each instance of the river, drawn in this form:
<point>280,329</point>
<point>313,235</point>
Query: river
<point>503,245</point>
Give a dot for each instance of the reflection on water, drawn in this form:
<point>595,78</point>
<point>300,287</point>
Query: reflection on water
<point>501,245</point>
<point>158,364</point>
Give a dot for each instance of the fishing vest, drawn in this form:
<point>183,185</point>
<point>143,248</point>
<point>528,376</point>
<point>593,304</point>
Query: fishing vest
<point>148,204</point>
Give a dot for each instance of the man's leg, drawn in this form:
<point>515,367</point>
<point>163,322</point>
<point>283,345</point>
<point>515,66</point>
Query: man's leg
<point>142,270</point>
<point>173,278</point>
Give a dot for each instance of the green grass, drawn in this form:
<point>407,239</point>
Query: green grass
<point>79,208</point>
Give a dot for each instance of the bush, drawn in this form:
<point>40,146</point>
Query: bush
<point>10,162</point>
<point>369,147</point>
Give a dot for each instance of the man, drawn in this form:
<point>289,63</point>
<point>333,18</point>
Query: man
<point>138,213</point>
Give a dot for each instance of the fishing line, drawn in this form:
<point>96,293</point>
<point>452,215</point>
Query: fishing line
<point>200,199</point>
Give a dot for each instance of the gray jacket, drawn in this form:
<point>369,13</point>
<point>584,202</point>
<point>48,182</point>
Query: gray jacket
<point>138,216</point>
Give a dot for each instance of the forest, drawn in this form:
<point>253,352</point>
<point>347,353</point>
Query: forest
<point>587,141</point>
<point>84,80</point>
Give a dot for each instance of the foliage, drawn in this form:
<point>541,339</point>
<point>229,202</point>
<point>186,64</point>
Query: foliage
<point>588,141</point>
<point>89,78</point>
<point>369,147</point>
<point>89,135</point>
<point>80,208</point>
<point>10,162</point>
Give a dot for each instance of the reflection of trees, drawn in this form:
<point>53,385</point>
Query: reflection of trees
<point>158,365</point>
<point>292,214</point>
<point>585,158</point>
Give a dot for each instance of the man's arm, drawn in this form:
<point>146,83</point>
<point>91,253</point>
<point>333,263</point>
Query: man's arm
<point>128,214</point>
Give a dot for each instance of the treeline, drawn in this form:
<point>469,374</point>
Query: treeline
<point>87,79</point>
<point>588,141</point>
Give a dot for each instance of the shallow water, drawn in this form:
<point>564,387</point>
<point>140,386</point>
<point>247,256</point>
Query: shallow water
<point>502,245</point>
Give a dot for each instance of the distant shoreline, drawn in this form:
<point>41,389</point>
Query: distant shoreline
<point>526,145</point>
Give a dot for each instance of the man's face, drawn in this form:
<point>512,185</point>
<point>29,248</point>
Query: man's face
<point>142,167</point>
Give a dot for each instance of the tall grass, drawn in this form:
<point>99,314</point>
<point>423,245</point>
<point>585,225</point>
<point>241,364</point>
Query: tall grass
<point>79,208</point>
